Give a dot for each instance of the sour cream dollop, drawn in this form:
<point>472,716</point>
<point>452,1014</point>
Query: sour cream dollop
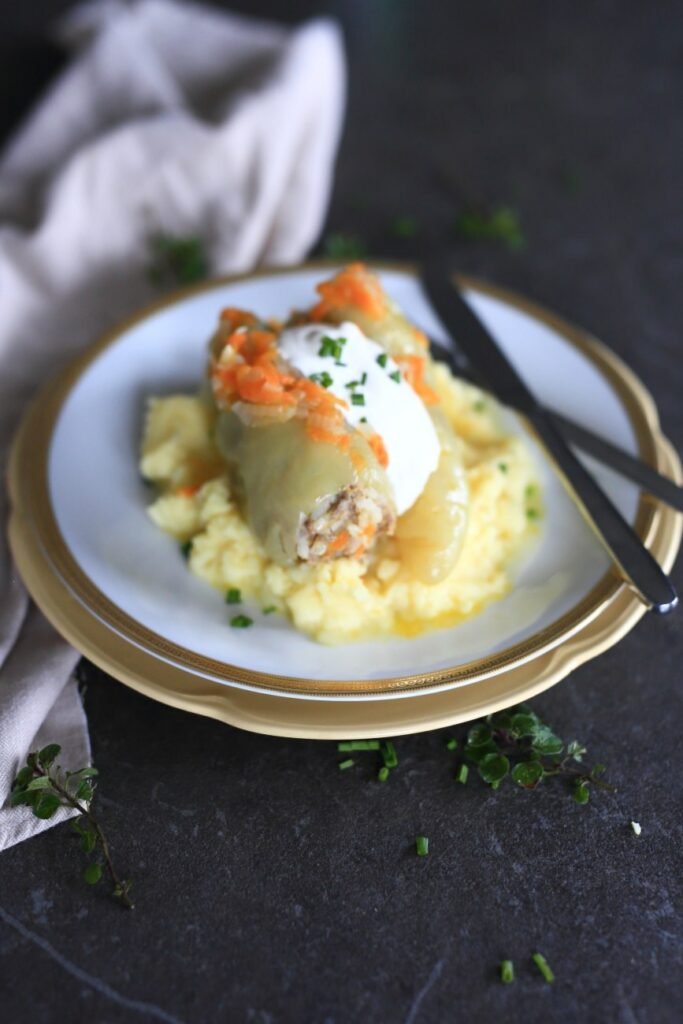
<point>389,404</point>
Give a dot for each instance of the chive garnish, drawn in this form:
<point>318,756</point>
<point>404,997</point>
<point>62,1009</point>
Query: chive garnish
<point>352,384</point>
<point>357,399</point>
<point>383,774</point>
<point>270,609</point>
<point>382,360</point>
<point>389,755</point>
<point>507,971</point>
<point>421,846</point>
<point>323,379</point>
<point>544,967</point>
<point>451,743</point>
<point>363,419</point>
<point>503,467</point>
<point>462,773</point>
<point>346,745</point>
<point>532,513</point>
<point>348,763</point>
<point>186,549</point>
<point>241,621</point>
<point>396,375</point>
<point>331,347</point>
<point>479,406</point>
<point>364,378</point>
<point>233,596</point>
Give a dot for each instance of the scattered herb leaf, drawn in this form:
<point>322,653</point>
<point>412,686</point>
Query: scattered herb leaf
<point>341,246</point>
<point>44,786</point>
<point>500,224</point>
<point>176,261</point>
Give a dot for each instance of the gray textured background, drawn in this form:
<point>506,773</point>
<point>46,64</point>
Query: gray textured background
<point>272,888</point>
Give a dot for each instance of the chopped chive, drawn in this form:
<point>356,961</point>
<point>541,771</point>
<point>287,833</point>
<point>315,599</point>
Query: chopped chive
<point>357,745</point>
<point>364,378</point>
<point>241,622</point>
<point>503,467</point>
<point>339,363</point>
<point>186,549</point>
<point>479,405</point>
<point>507,971</point>
<point>462,773</point>
<point>533,513</point>
<point>405,227</point>
<point>389,755</point>
<point>530,490</point>
<point>421,846</point>
<point>270,609</point>
<point>382,360</point>
<point>357,399</point>
<point>363,419</point>
<point>146,481</point>
<point>233,596</point>
<point>352,384</point>
<point>331,346</point>
<point>348,763</point>
<point>451,743</point>
<point>637,828</point>
<point>323,379</point>
<point>396,375</point>
<point>383,774</point>
<point>544,967</point>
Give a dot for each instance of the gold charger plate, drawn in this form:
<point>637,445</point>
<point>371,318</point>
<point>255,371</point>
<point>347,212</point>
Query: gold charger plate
<point>610,612</point>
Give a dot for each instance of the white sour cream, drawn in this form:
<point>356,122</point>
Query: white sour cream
<point>389,406</point>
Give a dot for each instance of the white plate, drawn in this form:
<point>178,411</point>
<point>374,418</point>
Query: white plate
<point>99,505</point>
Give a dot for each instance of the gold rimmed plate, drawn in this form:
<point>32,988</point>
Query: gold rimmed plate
<point>79,508</point>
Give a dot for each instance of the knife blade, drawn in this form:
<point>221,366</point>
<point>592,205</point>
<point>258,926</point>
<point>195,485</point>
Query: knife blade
<point>636,565</point>
<point>627,465</point>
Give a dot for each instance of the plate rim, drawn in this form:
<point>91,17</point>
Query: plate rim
<point>318,720</point>
<point>29,491</point>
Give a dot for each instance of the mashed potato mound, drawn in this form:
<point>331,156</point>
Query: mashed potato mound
<point>343,600</point>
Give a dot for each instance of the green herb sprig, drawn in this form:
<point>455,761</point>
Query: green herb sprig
<point>44,786</point>
<point>177,261</point>
<point>517,743</point>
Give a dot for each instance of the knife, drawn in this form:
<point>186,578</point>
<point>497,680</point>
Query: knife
<point>629,466</point>
<point>635,563</point>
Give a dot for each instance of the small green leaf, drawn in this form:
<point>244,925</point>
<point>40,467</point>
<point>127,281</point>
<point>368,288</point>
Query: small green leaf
<point>47,755</point>
<point>24,776</point>
<point>493,768</point>
<point>478,753</point>
<point>88,841</point>
<point>46,805</point>
<point>523,724</point>
<point>42,782</point>
<point>23,796</point>
<point>545,742</point>
<point>528,773</point>
<point>581,793</point>
<point>598,769</point>
<point>93,873</point>
<point>576,750</point>
<point>479,735</point>
<point>85,790</point>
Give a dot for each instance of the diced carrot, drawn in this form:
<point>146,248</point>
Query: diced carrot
<point>413,368</point>
<point>377,445</point>
<point>352,286</point>
<point>339,542</point>
<point>187,491</point>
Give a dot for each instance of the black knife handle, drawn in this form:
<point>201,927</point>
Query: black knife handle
<point>622,542</point>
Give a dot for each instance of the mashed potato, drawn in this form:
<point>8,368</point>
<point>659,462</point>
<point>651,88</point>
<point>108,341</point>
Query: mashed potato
<point>346,599</point>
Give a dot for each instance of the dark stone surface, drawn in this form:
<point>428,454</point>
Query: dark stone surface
<point>272,888</point>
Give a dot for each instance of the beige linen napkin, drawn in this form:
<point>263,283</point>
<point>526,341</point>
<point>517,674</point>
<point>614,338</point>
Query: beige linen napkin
<point>173,118</point>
